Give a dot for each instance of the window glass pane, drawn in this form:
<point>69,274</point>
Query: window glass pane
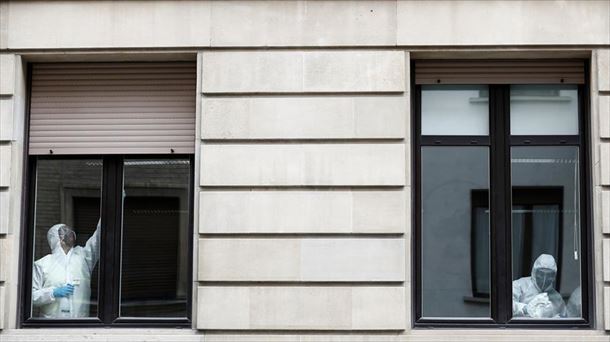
<point>546,232</point>
<point>66,238</point>
<point>154,264</point>
<point>543,110</point>
<point>454,110</point>
<point>455,231</point>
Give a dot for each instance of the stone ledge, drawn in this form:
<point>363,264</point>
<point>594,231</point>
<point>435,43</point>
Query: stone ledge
<point>189,335</point>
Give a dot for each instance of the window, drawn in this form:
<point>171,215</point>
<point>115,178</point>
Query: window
<point>110,188</point>
<point>501,228</point>
<point>110,240</point>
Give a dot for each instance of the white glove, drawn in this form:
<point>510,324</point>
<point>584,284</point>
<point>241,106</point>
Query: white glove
<point>540,306</point>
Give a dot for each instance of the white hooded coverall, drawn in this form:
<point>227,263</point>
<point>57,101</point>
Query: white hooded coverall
<point>527,289</point>
<point>60,268</point>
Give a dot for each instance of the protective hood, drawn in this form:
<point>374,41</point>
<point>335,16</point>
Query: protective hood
<point>544,272</point>
<point>56,234</point>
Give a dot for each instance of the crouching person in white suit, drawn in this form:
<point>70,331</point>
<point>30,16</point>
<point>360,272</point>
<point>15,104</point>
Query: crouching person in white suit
<point>61,281</point>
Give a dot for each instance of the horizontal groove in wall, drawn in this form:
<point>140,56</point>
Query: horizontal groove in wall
<point>300,93</point>
<point>302,187</point>
<point>311,141</point>
<point>546,50</point>
<point>289,235</point>
<point>265,283</point>
<point>312,332</point>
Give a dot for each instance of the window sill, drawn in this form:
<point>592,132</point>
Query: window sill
<point>93,335</point>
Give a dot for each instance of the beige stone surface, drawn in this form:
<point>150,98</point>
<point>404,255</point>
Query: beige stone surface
<point>4,210</point>
<point>304,259</point>
<point>2,305</point>
<point>605,213</point>
<point>300,307</point>
<point>304,117</point>
<point>380,211</point>
<point>371,305</point>
<point>5,164</point>
<point>603,68</point>
<point>303,71</point>
<point>303,164</point>
<point>354,71</point>
<point>302,211</point>
<point>3,25</point>
<point>303,23</point>
<point>112,24</point>
<point>349,259</point>
<point>417,335</point>
<point>509,23</point>
<point>604,164</point>
<point>223,307</point>
<point>252,71</point>
<point>604,115</point>
<point>53,334</point>
<point>249,259</point>
<point>115,24</point>
<point>6,118</point>
<point>607,308</point>
<point>3,259</point>
<point>7,74</point>
<point>606,259</point>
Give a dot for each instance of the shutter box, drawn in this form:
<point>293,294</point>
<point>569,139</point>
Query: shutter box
<point>112,108</point>
<point>500,72</point>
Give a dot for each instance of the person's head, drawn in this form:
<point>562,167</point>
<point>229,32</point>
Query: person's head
<point>60,235</point>
<point>544,272</point>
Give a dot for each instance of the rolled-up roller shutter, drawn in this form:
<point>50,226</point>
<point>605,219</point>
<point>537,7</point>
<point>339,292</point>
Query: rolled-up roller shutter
<point>112,108</point>
<point>500,72</point>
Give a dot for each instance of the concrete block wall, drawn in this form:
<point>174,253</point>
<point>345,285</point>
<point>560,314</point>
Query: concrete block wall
<point>601,91</point>
<point>304,188</point>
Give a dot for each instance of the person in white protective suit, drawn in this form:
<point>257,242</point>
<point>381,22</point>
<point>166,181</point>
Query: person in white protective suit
<point>61,281</point>
<point>535,296</point>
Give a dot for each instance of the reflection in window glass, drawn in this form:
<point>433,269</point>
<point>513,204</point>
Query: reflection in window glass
<point>543,110</point>
<point>154,263</point>
<point>545,232</point>
<point>454,110</point>
<point>455,231</point>
<point>66,238</point>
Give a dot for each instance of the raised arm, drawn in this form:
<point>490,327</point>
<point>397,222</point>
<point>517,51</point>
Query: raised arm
<point>92,248</point>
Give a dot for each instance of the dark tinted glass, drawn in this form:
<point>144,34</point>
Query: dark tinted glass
<point>455,231</point>
<point>546,232</point>
<point>154,266</point>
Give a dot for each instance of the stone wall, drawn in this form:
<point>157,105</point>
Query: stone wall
<point>302,172</point>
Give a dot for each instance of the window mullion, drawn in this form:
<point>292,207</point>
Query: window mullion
<point>500,204</point>
<point>110,217</point>
<point>118,224</point>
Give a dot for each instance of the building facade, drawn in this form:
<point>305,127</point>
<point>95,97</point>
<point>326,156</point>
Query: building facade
<point>305,170</point>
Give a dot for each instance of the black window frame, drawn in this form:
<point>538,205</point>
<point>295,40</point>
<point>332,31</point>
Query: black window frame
<point>108,310</point>
<point>499,142</point>
<point>110,248</point>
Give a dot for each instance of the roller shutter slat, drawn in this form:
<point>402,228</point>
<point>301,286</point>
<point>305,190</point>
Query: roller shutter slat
<point>113,108</point>
<point>113,134</point>
<point>500,72</point>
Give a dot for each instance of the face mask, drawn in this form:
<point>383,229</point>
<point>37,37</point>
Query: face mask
<point>544,278</point>
<point>67,236</point>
